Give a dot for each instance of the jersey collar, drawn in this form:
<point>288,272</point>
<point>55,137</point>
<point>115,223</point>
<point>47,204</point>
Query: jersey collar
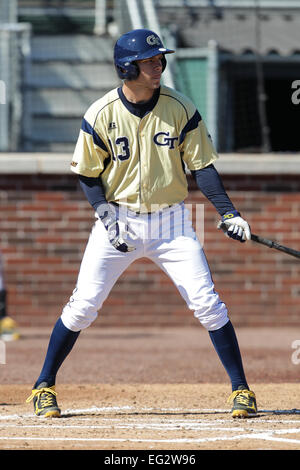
<point>139,110</point>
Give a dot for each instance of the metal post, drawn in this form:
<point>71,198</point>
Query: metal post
<point>135,16</point>
<point>8,11</point>
<point>100,17</point>
<point>26,124</point>
<point>153,23</point>
<point>212,91</point>
<point>261,93</point>
<point>5,83</point>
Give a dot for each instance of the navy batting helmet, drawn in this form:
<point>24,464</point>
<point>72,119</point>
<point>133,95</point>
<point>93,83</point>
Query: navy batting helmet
<point>135,45</point>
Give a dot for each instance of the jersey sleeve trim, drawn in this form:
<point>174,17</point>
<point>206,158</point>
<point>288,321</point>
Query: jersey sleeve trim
<point>176,99</point>
<point>86,127</point>
<point>190,126</point>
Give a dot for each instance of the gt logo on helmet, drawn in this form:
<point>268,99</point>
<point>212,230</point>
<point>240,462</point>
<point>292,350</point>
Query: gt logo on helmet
<point>153,40</point>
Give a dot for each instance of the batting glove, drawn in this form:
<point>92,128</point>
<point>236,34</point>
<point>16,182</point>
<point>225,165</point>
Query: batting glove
<point>116,234</point>
<point>235,226</point>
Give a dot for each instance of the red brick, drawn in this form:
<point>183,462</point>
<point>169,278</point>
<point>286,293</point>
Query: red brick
<point>50,196</point>
<point>45,228</point>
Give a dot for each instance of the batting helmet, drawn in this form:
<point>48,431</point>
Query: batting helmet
<point>137,45</point>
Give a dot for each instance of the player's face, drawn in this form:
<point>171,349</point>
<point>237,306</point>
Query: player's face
<point>150,72</point>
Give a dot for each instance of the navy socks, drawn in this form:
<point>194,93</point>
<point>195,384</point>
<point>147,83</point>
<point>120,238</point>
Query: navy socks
<point>226,345</point>
<point>224,340</point>
<point>61,343</point>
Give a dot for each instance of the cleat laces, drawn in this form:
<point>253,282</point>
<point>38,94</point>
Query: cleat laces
<point>46,395</point>
<point>243,397</point>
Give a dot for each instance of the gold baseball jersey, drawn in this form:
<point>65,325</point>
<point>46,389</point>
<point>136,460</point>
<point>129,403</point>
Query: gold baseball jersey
<point>142,160</point>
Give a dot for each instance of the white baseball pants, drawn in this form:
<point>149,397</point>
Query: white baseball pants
<point>167,238</point>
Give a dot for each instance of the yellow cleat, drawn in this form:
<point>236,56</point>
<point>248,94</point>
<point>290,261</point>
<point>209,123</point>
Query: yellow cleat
<point>244,403</point>
<point>44,401</point>
<point>8,329</point>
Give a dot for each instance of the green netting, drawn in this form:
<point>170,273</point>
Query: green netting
<point>191,80</point>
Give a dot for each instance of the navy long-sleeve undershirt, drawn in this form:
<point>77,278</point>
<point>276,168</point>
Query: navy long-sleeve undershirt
<point>93,190</point>
<point>207,179</point>
<point>210,184</point>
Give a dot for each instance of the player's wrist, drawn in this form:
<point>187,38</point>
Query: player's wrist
<point>235,226</point>
<point>106,214</point>
<point>230,215</point>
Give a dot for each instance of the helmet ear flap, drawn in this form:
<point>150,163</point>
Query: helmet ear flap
<point>134,71</point>
<point>131,72</point>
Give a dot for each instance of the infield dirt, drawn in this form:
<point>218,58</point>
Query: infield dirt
<point>154,388</point>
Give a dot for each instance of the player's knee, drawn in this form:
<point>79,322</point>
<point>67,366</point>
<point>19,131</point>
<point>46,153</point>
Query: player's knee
<point>78,319</point>
<point>213,318</point>
<point>82,309</point>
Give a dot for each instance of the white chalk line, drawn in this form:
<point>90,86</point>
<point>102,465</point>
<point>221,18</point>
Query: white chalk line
<point>250,436</point>
<point>140,426</point>
<point>172,426</point>
<point>169,425</point>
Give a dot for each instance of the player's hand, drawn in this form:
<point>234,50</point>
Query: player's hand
<point>235,226</point>
<point>116,234</point>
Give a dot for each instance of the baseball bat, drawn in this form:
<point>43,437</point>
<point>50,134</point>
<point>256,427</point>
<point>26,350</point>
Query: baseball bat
<point>269,243</point>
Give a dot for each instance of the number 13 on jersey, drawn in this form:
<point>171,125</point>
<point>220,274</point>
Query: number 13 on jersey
<point>122,144</point>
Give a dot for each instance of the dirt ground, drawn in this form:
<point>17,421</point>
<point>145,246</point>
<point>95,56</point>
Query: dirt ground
<point>152,389</point>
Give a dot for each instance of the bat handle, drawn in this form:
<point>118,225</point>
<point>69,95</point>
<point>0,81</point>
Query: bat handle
<point>263,241</point>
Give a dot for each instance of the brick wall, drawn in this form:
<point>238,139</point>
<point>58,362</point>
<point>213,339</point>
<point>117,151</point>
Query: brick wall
<point>45,222</point>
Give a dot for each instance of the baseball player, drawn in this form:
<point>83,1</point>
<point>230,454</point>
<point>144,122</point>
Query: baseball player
<point>132,151</point>
<point>8,326</point>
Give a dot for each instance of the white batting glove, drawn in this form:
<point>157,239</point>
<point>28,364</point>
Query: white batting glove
<point>116,233</point>
<point>235,226</point>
